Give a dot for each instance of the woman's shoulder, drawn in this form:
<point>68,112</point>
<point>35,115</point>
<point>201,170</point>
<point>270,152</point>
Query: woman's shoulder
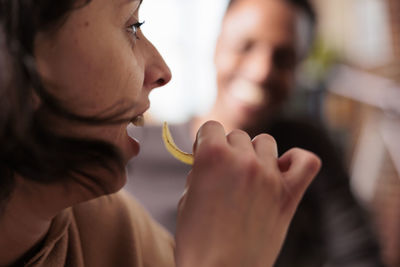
<point>117,224</point>
<point>120,210</point>
<point>112,230</point>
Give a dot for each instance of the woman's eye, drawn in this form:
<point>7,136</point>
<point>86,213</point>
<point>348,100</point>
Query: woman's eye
<point>134,28</point>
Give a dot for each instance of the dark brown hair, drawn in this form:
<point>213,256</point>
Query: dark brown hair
<point>303,5</point>
<point>28,147</point>
<point>307,9</point>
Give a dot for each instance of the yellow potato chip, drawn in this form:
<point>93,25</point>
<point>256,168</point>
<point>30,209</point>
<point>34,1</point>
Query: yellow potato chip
<point>173,149</point>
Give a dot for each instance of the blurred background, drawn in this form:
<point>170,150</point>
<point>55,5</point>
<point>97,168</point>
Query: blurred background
<point>351,80</point>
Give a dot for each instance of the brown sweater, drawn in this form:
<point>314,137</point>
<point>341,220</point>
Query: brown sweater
<point>109,231</point>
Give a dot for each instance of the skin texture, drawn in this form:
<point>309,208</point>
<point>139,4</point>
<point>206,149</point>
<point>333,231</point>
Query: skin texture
<point>243,195</point>
<point>255,60</point>
<point>94,62</point>
<point>91,63</point>
<point>256,51</point>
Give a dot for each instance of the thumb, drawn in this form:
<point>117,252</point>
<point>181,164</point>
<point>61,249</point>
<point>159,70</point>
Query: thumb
<point>182,200</point>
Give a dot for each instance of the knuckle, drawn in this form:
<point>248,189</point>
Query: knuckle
<point>258,174</point>
<point>309,160</point>
<point>270,177</point>
<point>297,150</point>
<point>250,163</point>
<point>237,132</point>
<point>216,148</point>
<point>271,185</point>
<point>312,161</point>
<point>211,123</point>
<point>306,155</point>
<point>246,167</point>
<point>266,138</point>
<point>212,151</point>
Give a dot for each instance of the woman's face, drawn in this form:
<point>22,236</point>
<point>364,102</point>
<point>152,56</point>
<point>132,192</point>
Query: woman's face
<point>96,64</point>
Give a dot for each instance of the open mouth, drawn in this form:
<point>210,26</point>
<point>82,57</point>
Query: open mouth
<point>248,93</point>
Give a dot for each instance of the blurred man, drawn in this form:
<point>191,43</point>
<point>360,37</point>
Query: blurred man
<point>259,47</point>
<point>257,52</point>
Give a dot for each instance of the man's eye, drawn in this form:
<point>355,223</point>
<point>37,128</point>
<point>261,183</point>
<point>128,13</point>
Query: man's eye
<point>244,47</point>
<point>134,28</point>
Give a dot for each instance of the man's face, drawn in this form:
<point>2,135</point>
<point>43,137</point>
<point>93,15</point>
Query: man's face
<point>255,60</point>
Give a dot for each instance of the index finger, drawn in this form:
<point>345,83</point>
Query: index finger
<point>210,132</point>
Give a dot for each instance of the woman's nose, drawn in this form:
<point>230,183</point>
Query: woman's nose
<point>157,72</point>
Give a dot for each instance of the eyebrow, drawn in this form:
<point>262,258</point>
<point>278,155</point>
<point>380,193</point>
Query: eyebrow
<point>127,1</point>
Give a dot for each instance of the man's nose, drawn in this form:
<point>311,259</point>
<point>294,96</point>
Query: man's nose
<point>259,65</point>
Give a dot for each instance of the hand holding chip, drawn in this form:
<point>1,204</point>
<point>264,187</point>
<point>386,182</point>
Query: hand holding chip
<point>240,199</point>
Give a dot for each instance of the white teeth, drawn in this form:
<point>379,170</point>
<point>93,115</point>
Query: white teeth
<point>248,93</point>
<point>138,120</point>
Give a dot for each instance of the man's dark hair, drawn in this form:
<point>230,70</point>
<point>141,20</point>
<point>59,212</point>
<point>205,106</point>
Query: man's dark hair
<point>307,32</point>
<point>29,147</point>
<point>303,5</point>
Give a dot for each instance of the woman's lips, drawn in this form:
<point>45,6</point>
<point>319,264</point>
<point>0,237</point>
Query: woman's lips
<point>133,144</point>
<point>138,119</point>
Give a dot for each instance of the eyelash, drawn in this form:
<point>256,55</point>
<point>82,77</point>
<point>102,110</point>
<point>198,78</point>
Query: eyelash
<point>133,29</point>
